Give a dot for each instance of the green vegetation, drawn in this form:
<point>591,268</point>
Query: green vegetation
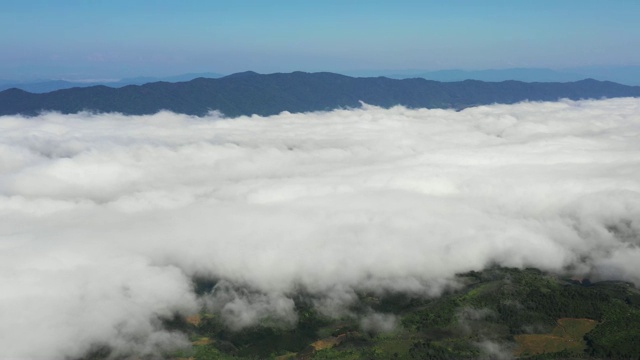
<point>521,313</point>
<point>618,337</point>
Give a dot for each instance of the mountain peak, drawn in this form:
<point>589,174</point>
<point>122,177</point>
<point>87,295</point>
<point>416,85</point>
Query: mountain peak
<point>242,74</point>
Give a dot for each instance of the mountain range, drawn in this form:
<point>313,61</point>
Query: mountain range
<point>43,86</point>
<point>250,93</point>
<point>627,75</point>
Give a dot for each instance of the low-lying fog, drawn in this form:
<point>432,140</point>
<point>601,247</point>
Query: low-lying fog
<point>105,219</point>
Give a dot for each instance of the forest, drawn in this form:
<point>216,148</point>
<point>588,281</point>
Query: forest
<point>498,313</point>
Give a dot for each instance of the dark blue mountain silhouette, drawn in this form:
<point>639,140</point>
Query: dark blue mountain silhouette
<point>250,93</point>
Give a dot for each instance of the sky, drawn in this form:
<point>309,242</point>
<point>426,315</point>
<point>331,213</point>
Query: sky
<point>106,218</point>
<point>112,39</point>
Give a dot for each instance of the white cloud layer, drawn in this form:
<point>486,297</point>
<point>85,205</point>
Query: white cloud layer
<point>105,218</point>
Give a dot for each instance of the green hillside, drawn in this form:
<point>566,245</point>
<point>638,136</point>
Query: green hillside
<point>497,313</point>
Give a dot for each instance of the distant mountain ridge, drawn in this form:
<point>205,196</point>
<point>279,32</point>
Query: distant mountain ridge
<point>526,75</point>
<point>250,93</point>
<point>626,75</point>
<point>45,86</point>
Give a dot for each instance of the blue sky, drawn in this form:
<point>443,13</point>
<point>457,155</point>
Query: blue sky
<point>116,38</point>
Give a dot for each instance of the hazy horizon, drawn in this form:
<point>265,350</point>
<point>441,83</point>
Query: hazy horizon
<point>118,39</point>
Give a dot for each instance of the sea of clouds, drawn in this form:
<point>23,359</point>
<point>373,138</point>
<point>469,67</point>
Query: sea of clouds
<point>105,219</point>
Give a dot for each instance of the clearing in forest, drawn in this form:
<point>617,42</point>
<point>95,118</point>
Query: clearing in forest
<point>567,335</point>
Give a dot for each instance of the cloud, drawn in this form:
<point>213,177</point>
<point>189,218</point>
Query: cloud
<point>106,218</point>
<point>379,323</point>
<point>240,308</point>
<point>470,319</point>
<point>494,350</point>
